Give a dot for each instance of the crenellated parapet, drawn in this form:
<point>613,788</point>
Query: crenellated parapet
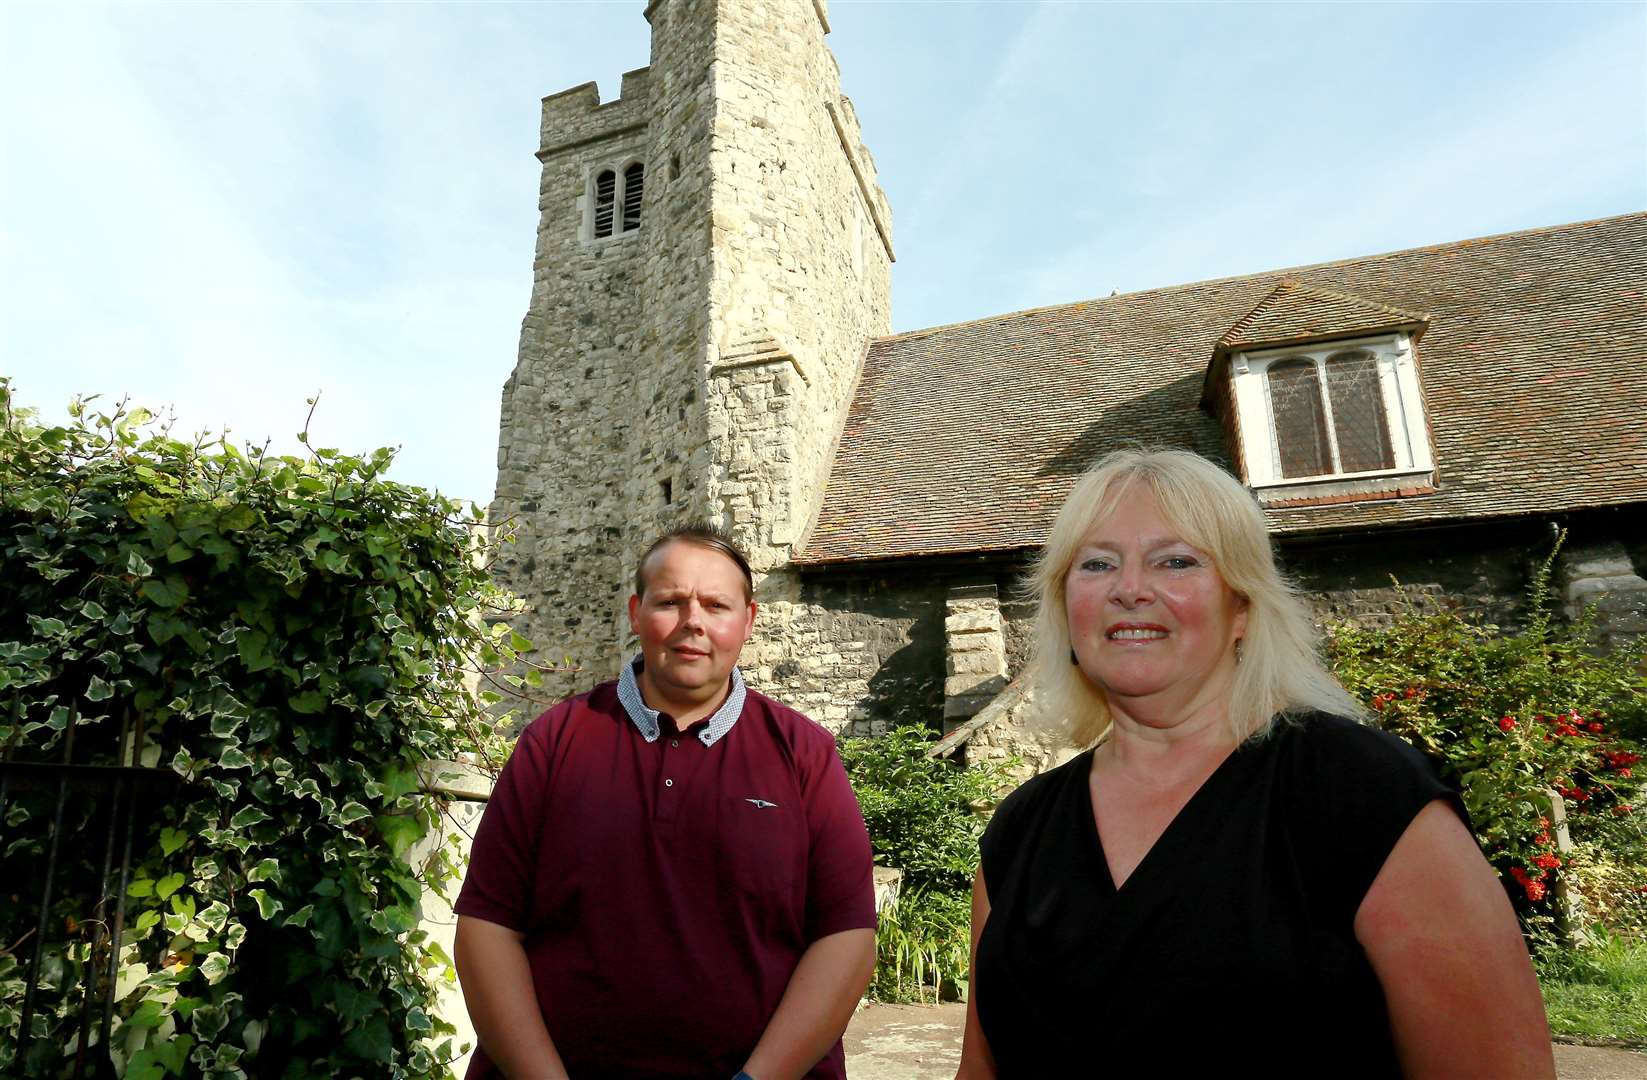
<point>576,117</point>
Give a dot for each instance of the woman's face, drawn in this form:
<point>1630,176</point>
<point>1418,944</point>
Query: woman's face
<point>1150,618</point>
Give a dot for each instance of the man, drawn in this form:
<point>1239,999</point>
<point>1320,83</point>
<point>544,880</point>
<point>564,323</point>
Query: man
<point>672,878</point>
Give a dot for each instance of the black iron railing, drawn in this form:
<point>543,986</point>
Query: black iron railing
<point>67,826</point>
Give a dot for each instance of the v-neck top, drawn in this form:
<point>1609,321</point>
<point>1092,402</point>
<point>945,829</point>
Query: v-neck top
<point>1233,940</point>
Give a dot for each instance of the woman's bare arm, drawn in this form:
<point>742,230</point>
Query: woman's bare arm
<point>1443,940</point>
<point>977,1063</point>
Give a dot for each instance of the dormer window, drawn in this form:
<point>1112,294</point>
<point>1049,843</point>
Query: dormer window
<point>1332,411</point>
<point>1319,391</point>
<point>614,210</point>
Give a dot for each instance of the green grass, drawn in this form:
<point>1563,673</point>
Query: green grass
<point>1597,991</point>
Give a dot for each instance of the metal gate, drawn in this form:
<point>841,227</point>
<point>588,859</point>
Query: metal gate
<point>67,826</point>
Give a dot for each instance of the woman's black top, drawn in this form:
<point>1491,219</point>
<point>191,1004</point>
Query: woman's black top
<point>1231,945</point>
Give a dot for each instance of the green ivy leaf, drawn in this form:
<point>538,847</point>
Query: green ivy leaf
<point>247,817</point>
<point>351,813</point>
<point>398,780</point>
<point>400,831</point>
<point>308,702</point>
<point>234,758</point>
<point>371,1040</point>
<point>169,592</point>
<point>265,870</point>
<point>168,885</point>
<point>267,906</point>
<point>98,690</point>
<point>301,916</point>
<point>253,646</point>
<point>171,840</point>
<point>209,1021</point>
<point>136,565</point>
<point>237,518</point>
<point>215,916</point>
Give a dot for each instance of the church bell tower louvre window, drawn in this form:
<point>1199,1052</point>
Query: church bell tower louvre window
<point>633,178</point>
<point>606,186</point>
<point>614,211</point>
<point>1331,412</point>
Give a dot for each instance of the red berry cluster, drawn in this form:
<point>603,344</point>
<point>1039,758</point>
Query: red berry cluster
<point>1620,761</point>
<point>1529,882</point>
<point>1381,701</point>
<point>1506,723</point>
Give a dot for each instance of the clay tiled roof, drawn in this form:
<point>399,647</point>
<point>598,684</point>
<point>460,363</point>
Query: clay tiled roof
<point>1294,312</point>
<point>967,438</point>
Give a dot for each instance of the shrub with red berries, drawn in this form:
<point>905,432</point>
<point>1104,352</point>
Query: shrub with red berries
<point>1527,722</point>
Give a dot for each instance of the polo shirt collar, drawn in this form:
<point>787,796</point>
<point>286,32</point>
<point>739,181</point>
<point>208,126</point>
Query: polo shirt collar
<point>646,720</point>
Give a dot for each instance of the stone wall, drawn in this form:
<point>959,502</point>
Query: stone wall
<point>1484,570</point>
<point>857,652</point>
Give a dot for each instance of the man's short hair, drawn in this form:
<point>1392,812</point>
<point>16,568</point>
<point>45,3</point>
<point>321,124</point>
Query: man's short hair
<point>704,535</point>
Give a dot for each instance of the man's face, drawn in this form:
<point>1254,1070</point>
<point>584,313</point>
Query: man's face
<point>692,622</point>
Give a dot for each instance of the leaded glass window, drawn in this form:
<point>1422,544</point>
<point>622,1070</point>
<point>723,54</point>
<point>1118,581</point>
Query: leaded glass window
<point>1301,441</point>
<point>1362,433</point>
<point>1329,416</point>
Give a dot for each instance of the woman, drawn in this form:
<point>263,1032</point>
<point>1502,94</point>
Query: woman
<point>1237,873</point>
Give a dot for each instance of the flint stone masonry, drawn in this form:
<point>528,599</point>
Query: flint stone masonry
<point>699,366</point>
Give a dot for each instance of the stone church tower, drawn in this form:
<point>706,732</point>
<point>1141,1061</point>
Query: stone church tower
<point>713,256</point>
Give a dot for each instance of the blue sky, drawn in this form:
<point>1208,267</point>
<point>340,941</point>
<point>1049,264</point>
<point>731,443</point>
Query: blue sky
<point>222,208</point>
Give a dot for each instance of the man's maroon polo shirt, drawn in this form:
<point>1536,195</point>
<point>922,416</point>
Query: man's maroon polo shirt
<point>668,889</point>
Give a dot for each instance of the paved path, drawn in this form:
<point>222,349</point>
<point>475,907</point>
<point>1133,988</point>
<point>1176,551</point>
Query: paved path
<point>923,1042</point>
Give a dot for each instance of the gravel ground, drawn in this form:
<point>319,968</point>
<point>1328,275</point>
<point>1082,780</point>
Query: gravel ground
<point>923,1042</point>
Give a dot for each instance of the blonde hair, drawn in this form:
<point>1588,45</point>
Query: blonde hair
<point>1280,670</point>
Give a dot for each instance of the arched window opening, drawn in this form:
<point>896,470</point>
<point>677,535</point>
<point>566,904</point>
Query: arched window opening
<point>633,180</point>
<point>606,187</point>
<point>1301,440</point>
<point>1329,416</point>
<point>1361,431</point>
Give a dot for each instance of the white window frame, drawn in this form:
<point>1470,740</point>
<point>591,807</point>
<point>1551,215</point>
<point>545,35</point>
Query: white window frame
<point>1403,407</point>
<point>586,201</point>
